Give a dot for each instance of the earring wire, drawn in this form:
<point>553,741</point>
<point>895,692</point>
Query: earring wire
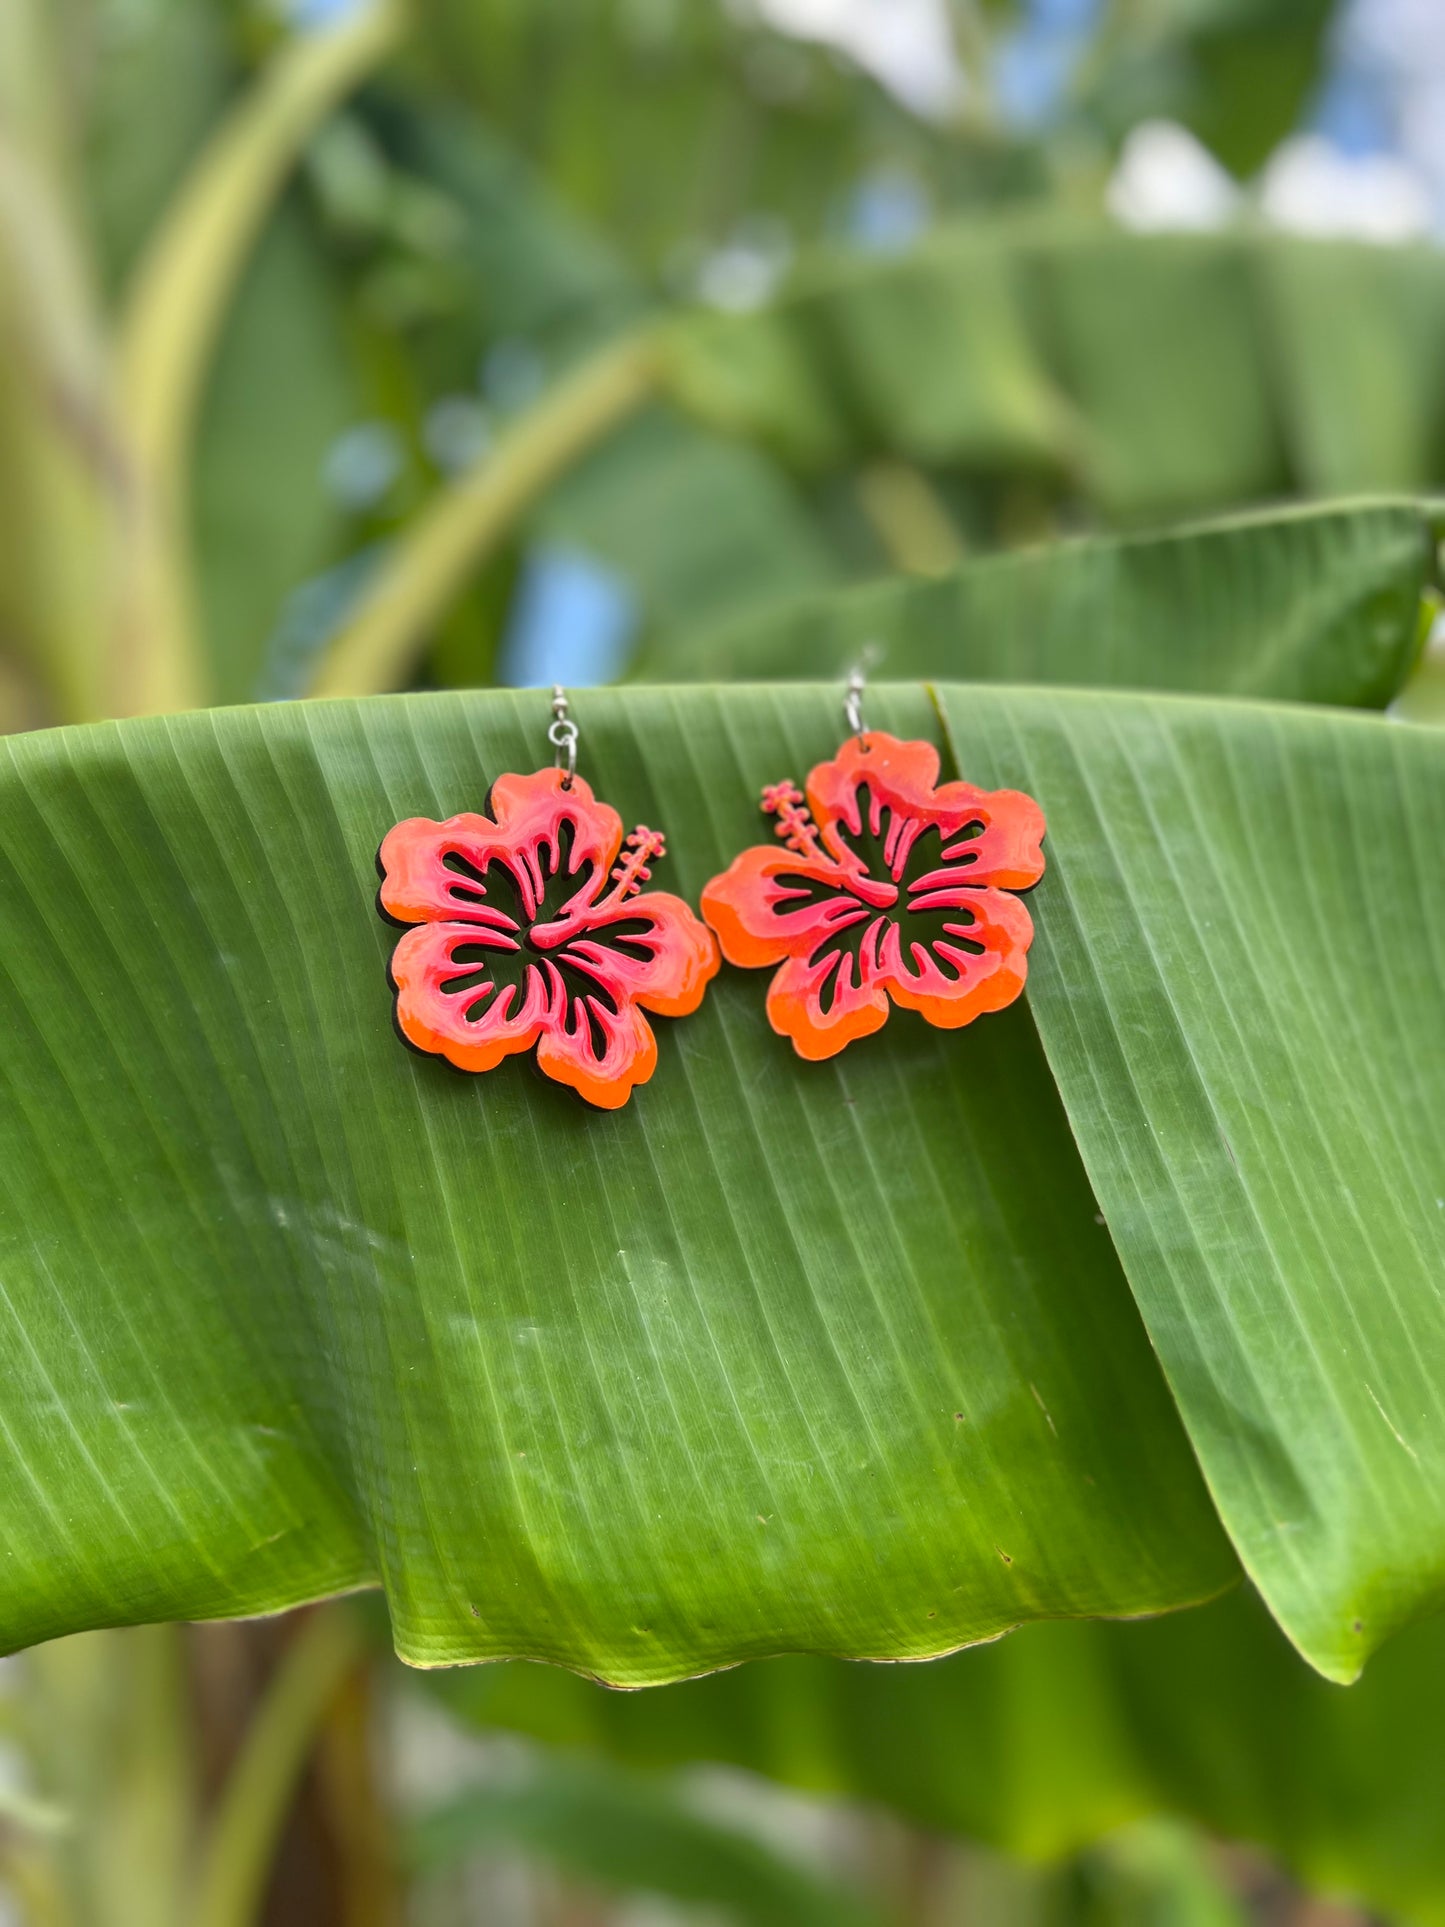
<point>562,735</point>
<point>872,654</point>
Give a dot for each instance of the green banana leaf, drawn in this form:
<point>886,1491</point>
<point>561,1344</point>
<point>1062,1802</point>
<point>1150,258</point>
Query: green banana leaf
<point>339,1315</point>
<point>291,1311</point>
<point>1361,322</point>
<point>1316,605</point>
<point>1149,375</point>
<point>627,1833</point>
<point>1160,351</point>
<point>1047,1741</point>
<point>1242,999</point>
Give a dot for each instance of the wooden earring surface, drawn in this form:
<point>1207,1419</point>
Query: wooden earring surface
<point>888,887</point>
<point>531,925</point>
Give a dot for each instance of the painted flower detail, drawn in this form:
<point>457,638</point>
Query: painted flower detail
<point>533,928</point>
<point>887,886</point>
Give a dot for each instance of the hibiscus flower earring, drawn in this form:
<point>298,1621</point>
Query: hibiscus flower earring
<point>888,886</point>
<point>532,926</point>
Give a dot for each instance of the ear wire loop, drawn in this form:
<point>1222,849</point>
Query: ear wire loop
<point>562,735</point>
<point>853,700</point>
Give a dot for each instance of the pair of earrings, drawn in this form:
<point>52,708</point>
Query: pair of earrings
<point>532,925</point>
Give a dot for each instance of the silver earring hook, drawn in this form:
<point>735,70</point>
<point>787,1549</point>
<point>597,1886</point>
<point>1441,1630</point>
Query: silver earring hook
<point>562,735</point>
<point>857,680</point>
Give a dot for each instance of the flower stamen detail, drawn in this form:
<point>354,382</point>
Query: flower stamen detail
<point>644,846</point>
<point>794,825</point>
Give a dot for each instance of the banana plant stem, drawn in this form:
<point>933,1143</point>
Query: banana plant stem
<point>174,313</point>
<point>241,1842</point>
<point>62,468</point>
<point>465,524</point>
<point>910,519</point>
<point>190,268</point>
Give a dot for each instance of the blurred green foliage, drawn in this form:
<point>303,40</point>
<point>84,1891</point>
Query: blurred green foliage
<point>1061,1733</point>
<point>481,216</point>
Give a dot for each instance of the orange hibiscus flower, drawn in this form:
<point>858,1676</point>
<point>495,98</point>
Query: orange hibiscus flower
<point>520,940</point>
<point>891,888</point>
